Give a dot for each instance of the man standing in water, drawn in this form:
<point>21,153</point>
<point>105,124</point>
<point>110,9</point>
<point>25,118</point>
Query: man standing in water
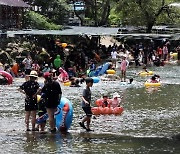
<point>52,96</point>
<point>86,104</point>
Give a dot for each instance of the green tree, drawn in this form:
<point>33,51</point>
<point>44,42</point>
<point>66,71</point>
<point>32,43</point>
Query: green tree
<point>98,11</point>
<point>143,12</point>
<point>54,10</point>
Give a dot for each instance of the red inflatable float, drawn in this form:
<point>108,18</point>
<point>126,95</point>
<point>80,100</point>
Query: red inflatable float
<point>8,76</point>
<point>107,110</point>
<point>99,102</point>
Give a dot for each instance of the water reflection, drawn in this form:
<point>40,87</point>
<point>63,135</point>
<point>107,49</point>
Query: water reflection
<point>46,142</point>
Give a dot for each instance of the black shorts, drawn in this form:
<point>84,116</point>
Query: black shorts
<point>88,111</point>
<point>51,105</point>
<point>31,104</point>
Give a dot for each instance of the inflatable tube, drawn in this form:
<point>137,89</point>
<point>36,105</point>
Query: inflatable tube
<point>99,102</point>
<point>68,83</point>
<point>174,55</point>
<point>103,69</point>
<point>148,84</point>
<point>8,76</point>
<point>110,71</point>
<point>118,110</point>
<point>107,110</point>
<point>65,115</point>
<point>95,79</point>
<point>146,73</point>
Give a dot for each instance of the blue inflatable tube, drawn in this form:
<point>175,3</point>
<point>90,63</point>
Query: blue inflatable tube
<point>100,70</point>
<point>95,79</point>
<point>104,68</point>
<point>64,116</point>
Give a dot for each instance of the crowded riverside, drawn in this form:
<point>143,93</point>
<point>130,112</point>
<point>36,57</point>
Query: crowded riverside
<point>112,97</point>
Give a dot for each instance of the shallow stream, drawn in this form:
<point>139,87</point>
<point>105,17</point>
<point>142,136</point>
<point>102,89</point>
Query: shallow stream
<point>148,124</point>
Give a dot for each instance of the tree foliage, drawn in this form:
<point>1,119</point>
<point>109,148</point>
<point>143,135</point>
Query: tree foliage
<point>37,21</point>
<point>144,12</point>
<point>55,11</point>
<point>107,12</point>
<point>98,11</point>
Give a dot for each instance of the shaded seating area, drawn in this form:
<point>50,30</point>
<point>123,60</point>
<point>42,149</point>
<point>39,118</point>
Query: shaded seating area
<point>11,12</point>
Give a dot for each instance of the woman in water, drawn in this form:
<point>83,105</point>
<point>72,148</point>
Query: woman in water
<point>123,67</point>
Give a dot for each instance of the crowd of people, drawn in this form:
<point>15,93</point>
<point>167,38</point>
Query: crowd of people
<point>75,66</point>
<point>77,60</point>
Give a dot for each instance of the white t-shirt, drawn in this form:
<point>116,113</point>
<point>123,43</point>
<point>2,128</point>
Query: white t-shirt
<point>27,62</point>
<point>114,54</point>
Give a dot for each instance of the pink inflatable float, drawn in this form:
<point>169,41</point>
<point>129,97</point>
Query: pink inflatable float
<point>8,76</point>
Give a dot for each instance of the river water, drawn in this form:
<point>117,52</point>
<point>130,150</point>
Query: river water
<point>150,122</point>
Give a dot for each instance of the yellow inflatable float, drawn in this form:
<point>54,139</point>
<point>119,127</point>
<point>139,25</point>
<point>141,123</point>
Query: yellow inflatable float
<point>110,71</point>
<point>149,84</point>
<point>68,83</point>
<point>174,55</point>
<point>146,73</point>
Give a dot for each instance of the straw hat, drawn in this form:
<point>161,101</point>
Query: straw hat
<point>33,74</point>
<point>116,95</point>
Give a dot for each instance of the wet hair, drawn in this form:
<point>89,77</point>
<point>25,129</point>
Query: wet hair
<point>82,80</point>
<point>156,76</point>
<point>76,81</point>
<point>130,80</point>
<point>105,96</point>
<point>89,80</point>
<point>153,78</point>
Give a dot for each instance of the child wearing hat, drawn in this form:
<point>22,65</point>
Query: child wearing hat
<point>116,100</point>
<point>30,88</point>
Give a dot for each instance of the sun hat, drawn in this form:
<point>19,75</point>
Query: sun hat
<point>33,74</point>
<point>116,95</point>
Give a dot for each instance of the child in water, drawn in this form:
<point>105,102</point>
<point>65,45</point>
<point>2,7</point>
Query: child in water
<point>153,79</point>
<point>86,104</point>
<point>123,67</point>
<point>105,101</point>
<point>144,70</point>
<point>30,88</point>
<point>116,100</point>
<point>42,113</point>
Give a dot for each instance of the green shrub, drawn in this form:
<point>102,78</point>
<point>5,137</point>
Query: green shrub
<point>37,21</point>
